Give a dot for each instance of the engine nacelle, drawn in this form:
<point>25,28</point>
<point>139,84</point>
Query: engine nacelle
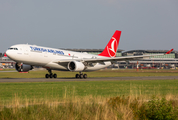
<point>76,66</point>
<point>23,67</point>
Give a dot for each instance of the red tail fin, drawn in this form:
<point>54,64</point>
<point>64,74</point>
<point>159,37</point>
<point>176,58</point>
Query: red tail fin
<point>5,55</point>
<point>111,48</point>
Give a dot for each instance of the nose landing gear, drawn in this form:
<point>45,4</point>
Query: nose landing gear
<point>51,75</point>
<point>81,75</point>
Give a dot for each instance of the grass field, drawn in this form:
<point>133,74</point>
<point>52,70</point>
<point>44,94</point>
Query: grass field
<point>100,73</point>
<point>85,88</point>
<point>59,90</point>
<point>90,99</point>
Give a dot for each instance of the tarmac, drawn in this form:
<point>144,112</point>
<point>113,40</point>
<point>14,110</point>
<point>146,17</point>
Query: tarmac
<point>88,79</point>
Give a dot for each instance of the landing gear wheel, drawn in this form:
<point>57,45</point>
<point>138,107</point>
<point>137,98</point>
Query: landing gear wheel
<point>51,75</point>
<point>85,76</point>
<point>47,76</point>
<point>81,76</point>
<point>77,76</point>
<point>55,75</point>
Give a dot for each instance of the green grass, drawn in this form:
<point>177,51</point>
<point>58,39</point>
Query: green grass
<point>85,88</point>
<point>59,90</point>
<point>90,99</point>
<point>101,73</point>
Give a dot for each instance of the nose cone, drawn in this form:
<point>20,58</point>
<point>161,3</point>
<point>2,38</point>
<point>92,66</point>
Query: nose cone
<point>9,53</point>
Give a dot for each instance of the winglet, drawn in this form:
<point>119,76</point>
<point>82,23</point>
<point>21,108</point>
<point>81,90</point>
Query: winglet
<point>169,51</point>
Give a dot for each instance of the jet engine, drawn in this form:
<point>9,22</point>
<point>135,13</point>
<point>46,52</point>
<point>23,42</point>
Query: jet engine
<point>76,66</point>
<point>23,67</point>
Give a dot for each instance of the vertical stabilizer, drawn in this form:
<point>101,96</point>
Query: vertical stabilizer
<point>111,48</point>
<point>5,55</point>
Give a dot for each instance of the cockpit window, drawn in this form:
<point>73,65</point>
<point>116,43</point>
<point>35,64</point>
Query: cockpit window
<point>12,48</point>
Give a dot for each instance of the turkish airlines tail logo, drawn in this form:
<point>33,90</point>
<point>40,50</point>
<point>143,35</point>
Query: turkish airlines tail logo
<point>111,48</point>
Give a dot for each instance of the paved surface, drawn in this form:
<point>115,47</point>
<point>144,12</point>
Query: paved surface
<point>88,79</point>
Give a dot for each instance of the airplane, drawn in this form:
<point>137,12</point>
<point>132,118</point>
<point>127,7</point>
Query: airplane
<point>26,56</point>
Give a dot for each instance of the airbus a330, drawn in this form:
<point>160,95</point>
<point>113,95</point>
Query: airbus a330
<point>26,56</point>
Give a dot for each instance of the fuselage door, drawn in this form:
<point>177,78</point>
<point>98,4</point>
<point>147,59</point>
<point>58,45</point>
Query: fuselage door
<point>26,50</point>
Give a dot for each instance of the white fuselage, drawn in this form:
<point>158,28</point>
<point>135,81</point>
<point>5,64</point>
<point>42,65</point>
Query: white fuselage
<point>46,57</point>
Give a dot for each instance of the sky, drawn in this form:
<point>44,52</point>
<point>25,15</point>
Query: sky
<point>89,24</point>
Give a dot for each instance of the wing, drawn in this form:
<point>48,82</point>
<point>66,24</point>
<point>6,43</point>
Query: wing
<point>104,59</point>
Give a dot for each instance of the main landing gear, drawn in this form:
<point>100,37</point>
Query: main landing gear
<point>51,75</point>
<point>81,75</point>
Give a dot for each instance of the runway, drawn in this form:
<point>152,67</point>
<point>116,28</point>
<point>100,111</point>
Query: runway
<point>88,79</point>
